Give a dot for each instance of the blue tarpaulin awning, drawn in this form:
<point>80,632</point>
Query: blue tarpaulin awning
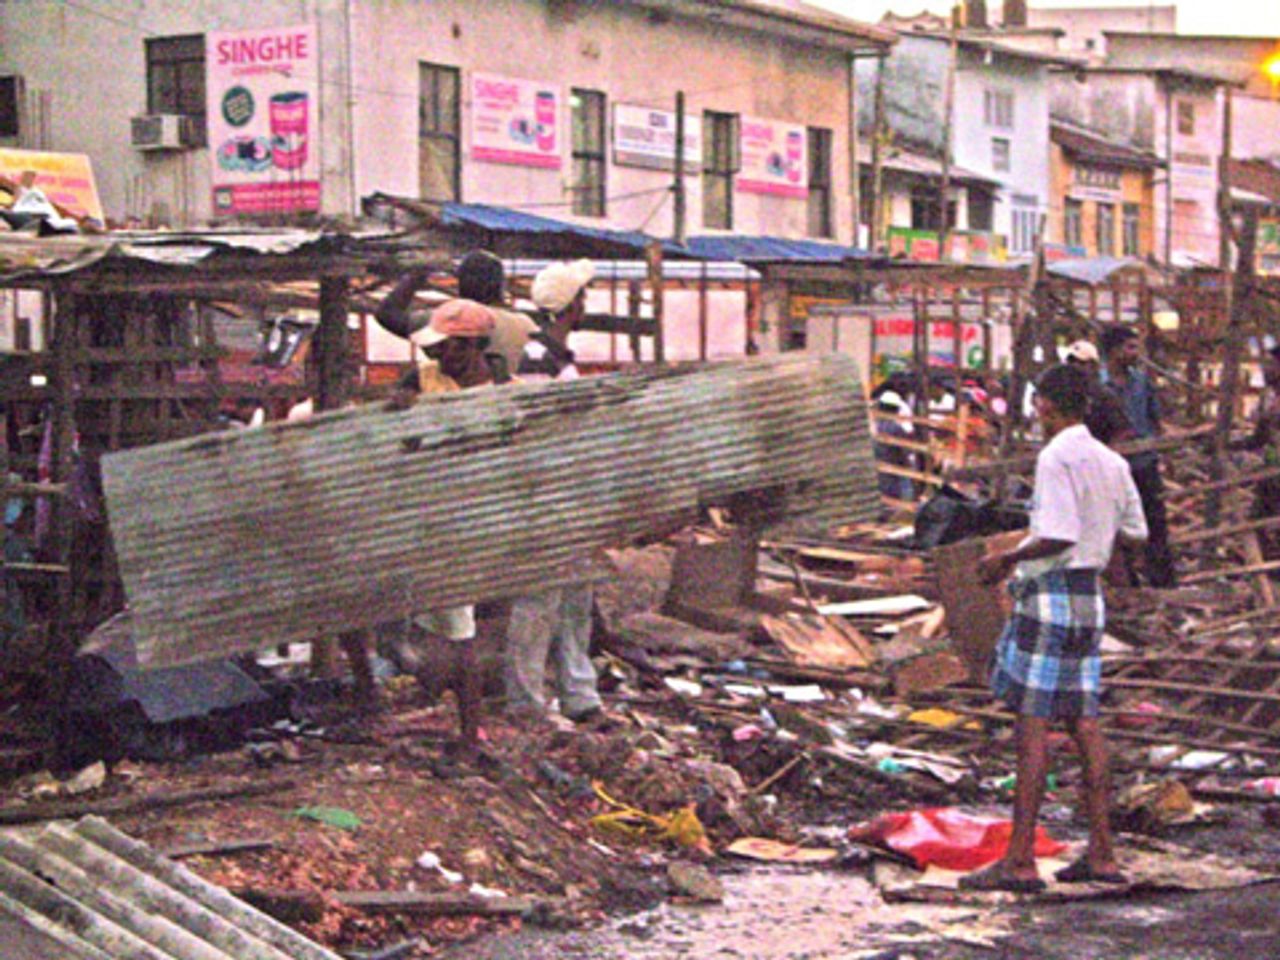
<point>742,249</point>
<point>505,220</point>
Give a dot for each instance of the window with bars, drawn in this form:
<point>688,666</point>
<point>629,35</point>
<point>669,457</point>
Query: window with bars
<point>1001,155</point>
<point>439,143</point>
<point>719,164</point>
<point>10,106</point>
<point>588,108</point>
<point>175,79</point>
<point>1025,223</point>
<point>1073,224</point>
<point>1186,117</point>
<point>820,213</point>
<point>1106,229</point>
<point>982,209</point>
<point>997,108</point>
<point>1132,228</point>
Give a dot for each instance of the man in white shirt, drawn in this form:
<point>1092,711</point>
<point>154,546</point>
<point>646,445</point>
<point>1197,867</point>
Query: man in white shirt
<point>1047,665</point>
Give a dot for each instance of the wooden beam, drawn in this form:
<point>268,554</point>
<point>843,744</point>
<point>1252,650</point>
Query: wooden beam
<point>1027,461</point>
<point>1231,572</point>
<point>1250,526</point>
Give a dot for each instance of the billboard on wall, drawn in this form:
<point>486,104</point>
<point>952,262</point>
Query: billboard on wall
<point>976,246</point>
<point>894,337</point>
<point>1269,246</point>
<point>913,244</point>
<point>647,138</point>
<point>65,178</point>
<point>775,158</point>
<point>515,121</point>
<point>263,114</point>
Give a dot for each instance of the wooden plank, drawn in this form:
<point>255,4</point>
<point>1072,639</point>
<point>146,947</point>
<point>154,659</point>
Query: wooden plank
<point>419,903</point>
<point>1243,571</point>
<point>1239,480</point>
<point>1026,462</point>
<point>1226,530</point>
<point>1262,582</point>
<point>73,809</point>
<point>975,613</point>
<point>1112,732</point>
<point>1141,683</point>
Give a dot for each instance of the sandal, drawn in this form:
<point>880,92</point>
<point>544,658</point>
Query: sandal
<point>994,879</point>
<point>1081,872</point>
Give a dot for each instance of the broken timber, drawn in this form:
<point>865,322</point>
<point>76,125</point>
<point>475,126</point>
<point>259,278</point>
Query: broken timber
<point>239,540</point>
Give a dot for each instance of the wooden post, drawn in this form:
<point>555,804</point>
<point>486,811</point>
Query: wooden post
<point>703,319</point>
<point>633,317</point>
<point>1241,302</point>
<point>613,312</point>
<point>957,341</point>
<point>948,121</point>
<point>333,389</point>
<point>62,639</point>
<point>678,187</point>
<point>333,365</point>
<point>653,257</point>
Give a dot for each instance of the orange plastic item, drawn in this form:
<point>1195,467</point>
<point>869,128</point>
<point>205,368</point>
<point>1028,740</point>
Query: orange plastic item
<point>948,838</point>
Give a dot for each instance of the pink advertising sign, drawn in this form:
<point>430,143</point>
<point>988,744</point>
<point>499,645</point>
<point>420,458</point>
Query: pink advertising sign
<point>263,111</point>
<point>774,158</point>
<point>515,121</point>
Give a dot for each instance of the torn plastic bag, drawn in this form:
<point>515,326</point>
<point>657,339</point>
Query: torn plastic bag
<point>947,838</point>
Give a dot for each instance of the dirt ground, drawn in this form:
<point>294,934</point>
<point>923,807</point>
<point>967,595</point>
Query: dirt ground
<point>517,820</point>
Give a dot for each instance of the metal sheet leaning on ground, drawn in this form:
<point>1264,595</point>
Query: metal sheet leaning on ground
<point>240,540</point>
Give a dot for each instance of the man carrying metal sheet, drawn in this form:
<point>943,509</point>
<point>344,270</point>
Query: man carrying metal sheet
<point>459,342</point>
<point>556,623</point>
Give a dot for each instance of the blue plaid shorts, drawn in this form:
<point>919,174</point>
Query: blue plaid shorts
<point>1046,662</point>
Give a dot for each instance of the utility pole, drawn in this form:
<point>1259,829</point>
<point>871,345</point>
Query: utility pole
<point>1234,294</point>
<point>949,106</point>
<point>877,160</point>
<point>678,234</point>
<point>1168,173</point>
<point>1240,304</point>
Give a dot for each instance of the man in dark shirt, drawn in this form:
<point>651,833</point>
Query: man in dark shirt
<point>1106,419</point>
<point>1122,375</point>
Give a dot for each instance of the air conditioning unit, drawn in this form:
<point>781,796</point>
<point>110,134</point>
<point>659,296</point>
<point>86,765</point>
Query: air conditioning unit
<point>165,131</point>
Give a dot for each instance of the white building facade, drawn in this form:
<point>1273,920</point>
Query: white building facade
<point>554,106</point>
<point>999,124</point>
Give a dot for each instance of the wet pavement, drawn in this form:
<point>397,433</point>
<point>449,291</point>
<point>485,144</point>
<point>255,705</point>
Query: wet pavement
<point>773,913</point>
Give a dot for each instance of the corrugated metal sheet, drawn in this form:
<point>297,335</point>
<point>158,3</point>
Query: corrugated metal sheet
<point>770,249</point>
<point>23,256</point>
<point>98,894</point>
<point>239,540</point>
<point>1091,270</point>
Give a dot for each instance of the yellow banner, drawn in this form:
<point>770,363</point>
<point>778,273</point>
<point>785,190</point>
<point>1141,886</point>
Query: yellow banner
<point>65,178</point>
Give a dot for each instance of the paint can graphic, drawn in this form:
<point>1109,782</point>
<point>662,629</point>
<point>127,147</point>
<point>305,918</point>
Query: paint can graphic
<point>544,113</point>
<point>289,129</point>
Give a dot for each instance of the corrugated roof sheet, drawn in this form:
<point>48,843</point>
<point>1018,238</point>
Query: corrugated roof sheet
<point>1092,270</point>
<point>908,161</point>
<point>23,255</point>
<point>743,249</point>
<point>244,539</point>
<point>1096,148</point>
<point>93,893</point>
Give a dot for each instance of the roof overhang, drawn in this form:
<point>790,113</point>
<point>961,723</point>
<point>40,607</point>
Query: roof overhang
<point>784,18</point>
